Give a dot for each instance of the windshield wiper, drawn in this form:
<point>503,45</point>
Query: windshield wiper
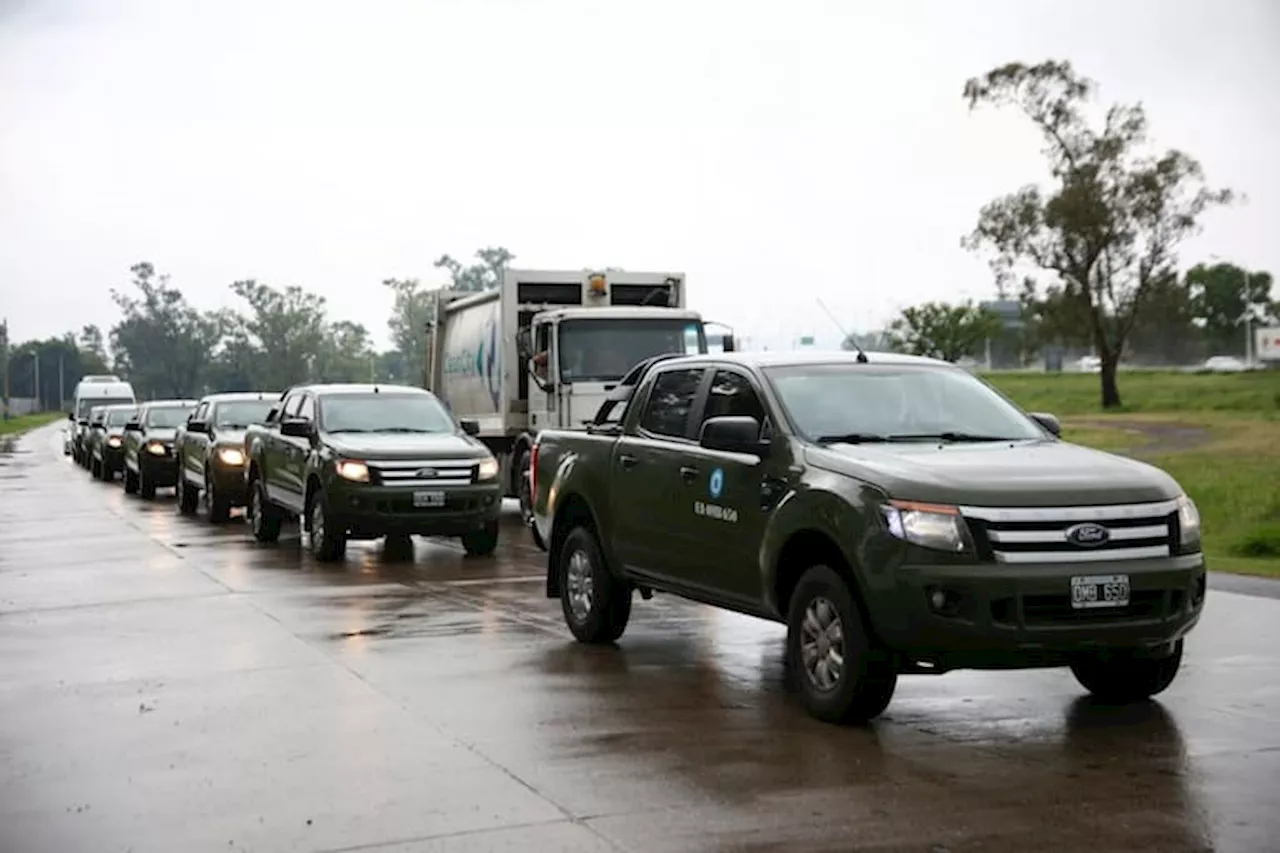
<point>851,438</point>
<point>950,436</point>
<point>400,429</point>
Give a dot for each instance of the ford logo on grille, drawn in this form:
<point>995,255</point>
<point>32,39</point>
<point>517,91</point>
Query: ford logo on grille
<point>426,472</point>
<point>1088,535</point>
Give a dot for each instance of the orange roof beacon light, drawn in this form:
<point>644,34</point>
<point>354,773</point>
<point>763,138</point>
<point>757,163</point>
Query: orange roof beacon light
<point>596,282</point>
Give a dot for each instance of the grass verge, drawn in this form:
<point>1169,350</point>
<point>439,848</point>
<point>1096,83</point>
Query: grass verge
<point>1144,391</point>
<point>22,423</point>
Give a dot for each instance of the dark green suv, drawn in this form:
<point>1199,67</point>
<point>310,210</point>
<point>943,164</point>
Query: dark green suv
<point>365,461</point>
<point>211,450</point>
<point>149,458</point>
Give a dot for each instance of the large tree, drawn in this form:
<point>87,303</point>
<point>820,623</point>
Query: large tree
<point>485,275</point>
<point>1222,295</point>
<point>410,314</point>
<point>1107,229</point>
<point>288,330</point>
<point>941,330</point>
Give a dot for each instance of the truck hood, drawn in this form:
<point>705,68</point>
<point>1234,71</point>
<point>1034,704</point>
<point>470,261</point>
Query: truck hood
<point>160,434</point>
<point>405,446</point>
<point>998,474</point>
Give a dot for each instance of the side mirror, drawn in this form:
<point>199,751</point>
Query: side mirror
<point>733,434</point>
<point>82,422</point>
<point>296,427</point>
<point>469,426</point>
<point>197,426</point>
<point>133,426</point>
<point>727,343</point>
<point>539,379</point>
<point>71,416</point>
<point>1048,421</point>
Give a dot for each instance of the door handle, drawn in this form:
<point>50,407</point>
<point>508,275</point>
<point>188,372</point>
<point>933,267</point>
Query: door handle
<point>687,473</point>
<point>626,460</point>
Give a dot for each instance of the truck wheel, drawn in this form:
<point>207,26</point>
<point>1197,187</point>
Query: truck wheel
<point>482,542</point>
<point>219,506</point>
<point>328,541</point>
<point>1121,679</point>
<point>146,487</point>
<point>596,604</point>
<point>130,482</point>
<point>840,678</point>
<point>188,498</point>
<point>263,518</point>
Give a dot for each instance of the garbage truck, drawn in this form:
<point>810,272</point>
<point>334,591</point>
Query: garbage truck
<point>545,347</point>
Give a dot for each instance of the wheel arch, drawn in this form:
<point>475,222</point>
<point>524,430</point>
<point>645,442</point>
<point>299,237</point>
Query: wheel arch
<point>573,510</point>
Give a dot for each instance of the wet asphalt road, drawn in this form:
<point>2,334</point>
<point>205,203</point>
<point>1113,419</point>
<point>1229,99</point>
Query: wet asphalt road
<point>167,685</point>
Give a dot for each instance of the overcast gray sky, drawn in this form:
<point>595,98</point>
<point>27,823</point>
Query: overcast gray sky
<point>775,152</point>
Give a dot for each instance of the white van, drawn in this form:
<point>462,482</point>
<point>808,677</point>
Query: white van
<point>94,390</point>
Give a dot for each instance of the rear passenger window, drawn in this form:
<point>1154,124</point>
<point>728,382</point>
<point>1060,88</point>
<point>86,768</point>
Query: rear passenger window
<point>671,402</point>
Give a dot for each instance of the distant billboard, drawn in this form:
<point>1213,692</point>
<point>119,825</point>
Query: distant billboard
<point>1266,343</point>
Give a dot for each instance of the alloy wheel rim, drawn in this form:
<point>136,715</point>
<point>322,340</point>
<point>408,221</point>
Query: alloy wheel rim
<point>317,524</point>
<point>822,644</point>
<point>580,585</point>
<point>256,510</point>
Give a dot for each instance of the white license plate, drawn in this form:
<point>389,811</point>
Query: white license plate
<point>1088,591</point>
<point>428,499</point>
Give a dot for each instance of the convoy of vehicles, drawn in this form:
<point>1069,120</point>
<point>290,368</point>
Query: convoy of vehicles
<point>211,451</point>
<point>896,513</point>
<point>149,459</point>
<point>544,348</point>
<point>105,439</point>
<point>366,461</point>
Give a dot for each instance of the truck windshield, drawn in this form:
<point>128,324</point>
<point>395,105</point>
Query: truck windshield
<point>167,416</point>
<point>238,414</point>
<point>384,413</point>
<point>603,350</point>
<point>87,403</point>
<point>118,417</point>
<point>863,402</point>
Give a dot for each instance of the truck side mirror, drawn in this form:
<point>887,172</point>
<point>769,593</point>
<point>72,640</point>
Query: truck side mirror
<point>539,379</point>
<point>197,426</point>
<point>133,426</point>
<point>1048,421</point>
<point>733,434</point>
<point>469,426</point>
<point>727,343</point>
<point>295,427</point>
<point>71,416</point>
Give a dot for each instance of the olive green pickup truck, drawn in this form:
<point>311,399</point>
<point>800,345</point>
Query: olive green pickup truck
<point>211,452</point>
<point>898,514</point>
<point>365,461</point>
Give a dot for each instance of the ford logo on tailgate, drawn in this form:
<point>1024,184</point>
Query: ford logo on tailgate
<point>1088,535</point>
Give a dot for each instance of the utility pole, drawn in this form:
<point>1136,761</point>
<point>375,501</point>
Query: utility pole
<point>4,360</point>
<point>1248,323</point>
<point>35,361</point>
<point>62,380</point>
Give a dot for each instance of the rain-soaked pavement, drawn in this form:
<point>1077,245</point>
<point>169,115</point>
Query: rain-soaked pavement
<point>166,685</point>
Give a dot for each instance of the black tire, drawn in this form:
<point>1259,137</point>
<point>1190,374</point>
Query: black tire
<point>482,542</point>
<point>219,506</point>
<point>1122,679</point>
<point>95,469</point>
<point>264,520</point>
<point>596,605</point>
<point>863,684</point>
<point>130,481</point>
<point>330,544</point>
<point>522,486</point>
<point>188,498</point>
<point>146,486</point>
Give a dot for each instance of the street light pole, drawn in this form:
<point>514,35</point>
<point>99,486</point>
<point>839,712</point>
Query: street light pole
<point>1248,322</point>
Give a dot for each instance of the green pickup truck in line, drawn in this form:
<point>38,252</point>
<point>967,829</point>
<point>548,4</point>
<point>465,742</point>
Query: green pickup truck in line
<point>898,514</point>
<point>150,461</point>
<point>366,461</point>
<point>211,451</point>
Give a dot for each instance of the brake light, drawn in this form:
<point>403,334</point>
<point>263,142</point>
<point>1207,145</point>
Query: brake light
<point>533,471</point>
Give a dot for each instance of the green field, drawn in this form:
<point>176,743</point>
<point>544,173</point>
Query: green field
<point>1218,435</point>
<point>22,423</point>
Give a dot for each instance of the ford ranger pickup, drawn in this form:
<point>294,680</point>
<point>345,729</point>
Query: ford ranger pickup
<point>211,451</point>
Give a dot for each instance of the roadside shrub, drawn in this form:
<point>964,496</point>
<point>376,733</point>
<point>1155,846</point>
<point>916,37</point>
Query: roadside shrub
<point>1263,542</point>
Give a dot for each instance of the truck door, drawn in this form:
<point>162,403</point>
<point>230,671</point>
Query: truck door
<point>276,450</point>
<point>721,522</point>
<point>192,446</point>
<point>540,402</point>
<point>646,479</point>
<point>293,471</point>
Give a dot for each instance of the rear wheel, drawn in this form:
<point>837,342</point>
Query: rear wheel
<point>596,605</point>
<point>482,542</point>
<point>840,677</point>
<point>188,498</point>
<point>1124,678</point>
<point>328,540</point>
<point>263,518</point>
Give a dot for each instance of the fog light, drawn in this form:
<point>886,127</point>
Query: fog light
<point>938,599</point>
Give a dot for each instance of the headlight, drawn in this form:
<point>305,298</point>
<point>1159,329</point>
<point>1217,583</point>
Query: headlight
<point>353,470</point>
<point>155,448</point>
<point>1188,522</point>
<point>488,469</point>
<point>935,526</point>
<point>231,456</point>
<point>114,441</point>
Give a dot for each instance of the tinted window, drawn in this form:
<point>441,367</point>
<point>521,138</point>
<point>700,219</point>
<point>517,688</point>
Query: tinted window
<point>604,350</point>
<point>237,414</point>
<point>86,403</point>
<point>671,402</point>
<point>731,394</point>
<point>890,400</point>
<point>167,416</point>
<point>384,413</point>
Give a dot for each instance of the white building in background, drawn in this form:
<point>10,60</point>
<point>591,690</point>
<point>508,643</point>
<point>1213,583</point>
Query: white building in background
<point>1266,344</point>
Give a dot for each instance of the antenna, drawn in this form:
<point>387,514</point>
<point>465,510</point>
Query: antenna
<point>862,356</point>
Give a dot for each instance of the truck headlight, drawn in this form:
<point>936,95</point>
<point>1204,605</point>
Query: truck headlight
<point>488,469</point>
<point>936,526</point>
<point>113,441</point>
<point>231,456</point>
<point>155,448</point>
<point>1188,522</point>
<point>353,470</point>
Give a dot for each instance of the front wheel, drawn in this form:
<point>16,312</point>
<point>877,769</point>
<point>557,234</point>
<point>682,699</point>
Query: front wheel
<point>263,518</point>
<point>188,498</point>
<point>482,542</point>
<point>219,506</point>
<point>840,677</point>
<point>1122,679</point>
<point>146,486</point>
<point>130,481</point>
<point>328,540</point>
<point>596,605</point>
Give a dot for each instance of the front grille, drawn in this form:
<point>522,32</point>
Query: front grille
<point>1146,604</point>
<point>423,473</point>
<point>1086,534</point>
